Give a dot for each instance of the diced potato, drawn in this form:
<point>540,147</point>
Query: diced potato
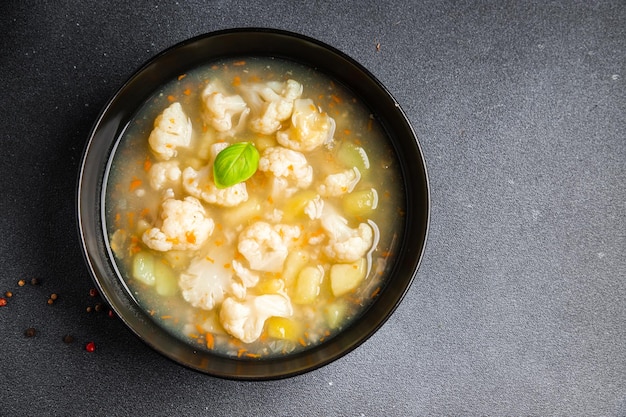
<point>176,258</point>
<point>296,260</point>
<point>241,214</point>
<point>142,226</point>
<point>360,203</point>
<point>294,207</point>
<point>143,268</point>
<point>335,313</point>
<point>308,285</point>
<point>346,277</point>
<point>270,286</point>
<point>283,328</point>
<point>166,283</point>
<point>264,142</point>
<point>351,155</point>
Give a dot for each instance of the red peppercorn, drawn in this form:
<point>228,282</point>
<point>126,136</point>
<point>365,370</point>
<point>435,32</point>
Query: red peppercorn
<point>93,292</point>
<point>90,347</point>
<point>110,313</point>
<point>3,302</point>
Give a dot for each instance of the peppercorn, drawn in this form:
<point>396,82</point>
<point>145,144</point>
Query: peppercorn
<point>50,301</point>
<point>68,338</point>
<point>8,294</point>
<point>99,307</point>
<point>93,292</point>
<point>30,332</point>
<point>34,281</point>
<point>89,308</point>
<point>111,314</point>
<point>90,347</point>
<point>53,296</point>
<point>21,283</point>
<point>3,302</point>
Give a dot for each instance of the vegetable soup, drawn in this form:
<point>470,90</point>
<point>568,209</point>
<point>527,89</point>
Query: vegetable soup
<point>253,207</point>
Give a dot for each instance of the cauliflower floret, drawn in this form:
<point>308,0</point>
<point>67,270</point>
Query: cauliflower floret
<point>314,208</point>
<point>172,130</point>
<point>245,319</point>
<point>309,129</point>
<point>290,168</point>
<point>200,185</point>
<point>247,277</point>
<point>274,101</point>
<point>164,173</point>
<point>346,244</point>
<point>184,226</point>
<point>206,282</point>
<point>340,183</point>
<point>266,246</point>
<point>221,111</point>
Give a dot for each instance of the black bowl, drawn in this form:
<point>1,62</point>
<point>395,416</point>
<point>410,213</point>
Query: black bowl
<point>267,43</point>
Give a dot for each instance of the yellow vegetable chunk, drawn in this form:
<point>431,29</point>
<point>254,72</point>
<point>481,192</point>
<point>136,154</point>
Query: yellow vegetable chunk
<point>360,203</point>
<point>346,277</point>
<point>283,328</point>
<point>243,213</point>
<point>335,314</point>
<point>294,207</point>
<point>166,283</point>
<point>308,285</point>
<point>351,155</point>
<point>296,260</point>
<point>270,286</point>
<point>143,268</point>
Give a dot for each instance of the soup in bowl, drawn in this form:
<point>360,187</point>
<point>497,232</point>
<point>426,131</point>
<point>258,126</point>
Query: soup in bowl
<point>253,204</point>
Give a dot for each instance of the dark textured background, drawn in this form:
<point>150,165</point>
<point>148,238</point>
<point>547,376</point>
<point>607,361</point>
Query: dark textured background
<point>519,307</point>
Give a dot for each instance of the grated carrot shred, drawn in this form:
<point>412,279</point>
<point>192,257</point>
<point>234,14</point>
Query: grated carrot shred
<point>210,340</point>
<point>134,184</point>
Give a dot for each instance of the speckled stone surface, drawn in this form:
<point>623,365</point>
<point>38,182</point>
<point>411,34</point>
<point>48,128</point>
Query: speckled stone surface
<point>519,307</point>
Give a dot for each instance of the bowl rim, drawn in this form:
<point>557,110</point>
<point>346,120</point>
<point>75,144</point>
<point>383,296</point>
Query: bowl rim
<point>113,120</point>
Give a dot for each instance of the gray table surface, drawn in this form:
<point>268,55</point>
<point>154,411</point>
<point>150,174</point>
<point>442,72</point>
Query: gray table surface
<point>519,307</point>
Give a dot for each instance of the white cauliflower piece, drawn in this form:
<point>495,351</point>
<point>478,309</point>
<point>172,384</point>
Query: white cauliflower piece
<point>247,277</point>
<point>290,169</point>
<point>200,185</point>
<point>341,183</point>
<point>172,130</point>
<point>206,282</point>
<point>345,243</point>
<point>245,319</point>
<point>314,208</point>
<point>274,102</point>
<point>266,246</point>
<point>226,113</point>
<point>309,129</point>
<point>184,226</point>
<point>162,174</point>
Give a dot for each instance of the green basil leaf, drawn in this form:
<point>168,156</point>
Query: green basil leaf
<point>235,164</point>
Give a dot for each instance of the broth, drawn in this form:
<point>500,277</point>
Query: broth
<point>277,263</point>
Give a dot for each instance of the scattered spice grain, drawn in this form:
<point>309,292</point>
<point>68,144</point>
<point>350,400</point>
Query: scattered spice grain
<point>93,292</point>
<point>8,294</point>
<point>90,347</point>
<point>21,283</point>
<point>35,281</point>
<point>30,332</point>
<point>68,338</point>
<point>3,302</point>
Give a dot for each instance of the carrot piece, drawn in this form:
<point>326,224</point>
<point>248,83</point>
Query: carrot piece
<point>134,184</point>
<point>210,340</point>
